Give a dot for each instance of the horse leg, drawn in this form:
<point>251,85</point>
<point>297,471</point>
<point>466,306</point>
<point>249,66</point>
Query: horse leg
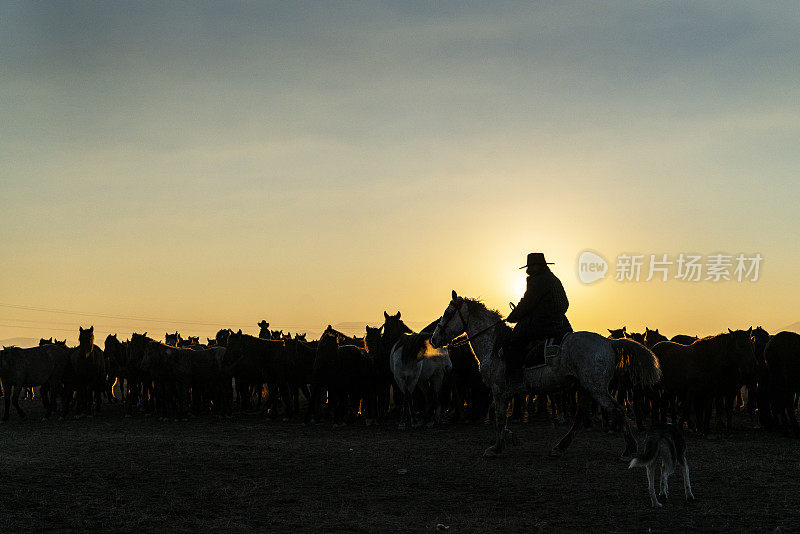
<point>791,417</point>
<point>7,392</point>
<point>618,416</point>
<point>408,409</point>
<point>637,401</point>
<point>15,401</point>
<point>729,414</point>
<point>500,421</point>
<point>436,387</point>
<point>581,414</point>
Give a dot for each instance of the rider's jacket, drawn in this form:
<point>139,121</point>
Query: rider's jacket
<point>544,304</point>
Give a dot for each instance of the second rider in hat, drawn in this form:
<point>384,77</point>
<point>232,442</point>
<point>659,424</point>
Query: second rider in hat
<point>539,315</point>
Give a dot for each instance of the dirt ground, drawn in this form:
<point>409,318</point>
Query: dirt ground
<point>116,474</point>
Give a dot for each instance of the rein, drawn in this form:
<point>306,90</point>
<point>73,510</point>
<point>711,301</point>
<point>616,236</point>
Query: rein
<point>468,338</point>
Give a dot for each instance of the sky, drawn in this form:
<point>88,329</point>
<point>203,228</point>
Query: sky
<point>191,166</point>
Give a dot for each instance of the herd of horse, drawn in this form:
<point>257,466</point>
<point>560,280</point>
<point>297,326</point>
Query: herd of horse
<point>454,364</point>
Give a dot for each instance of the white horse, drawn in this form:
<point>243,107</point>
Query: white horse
<point>585,357</point>
<point>416,363</point>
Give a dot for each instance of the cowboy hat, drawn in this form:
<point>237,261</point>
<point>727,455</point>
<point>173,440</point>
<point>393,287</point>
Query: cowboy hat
<point>536,258</point>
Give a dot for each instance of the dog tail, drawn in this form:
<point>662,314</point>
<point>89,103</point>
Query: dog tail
<point>648,456</point>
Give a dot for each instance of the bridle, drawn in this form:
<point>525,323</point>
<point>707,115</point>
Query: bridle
<point>468,338</point>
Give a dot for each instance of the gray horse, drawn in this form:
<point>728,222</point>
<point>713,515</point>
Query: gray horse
<point>588,358</point>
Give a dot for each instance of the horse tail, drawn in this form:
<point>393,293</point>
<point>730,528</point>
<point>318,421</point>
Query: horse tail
<point>637,362</point>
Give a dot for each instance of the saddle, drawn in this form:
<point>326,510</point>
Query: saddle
<point>542,352</point>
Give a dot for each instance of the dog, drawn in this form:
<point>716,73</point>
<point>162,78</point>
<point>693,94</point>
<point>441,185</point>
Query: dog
<point>668,445</point>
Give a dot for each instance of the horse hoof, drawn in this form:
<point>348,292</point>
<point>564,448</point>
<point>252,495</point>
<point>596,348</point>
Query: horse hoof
<point>491,452</point>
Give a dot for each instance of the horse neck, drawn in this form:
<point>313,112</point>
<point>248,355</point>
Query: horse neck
<point>481,324</point>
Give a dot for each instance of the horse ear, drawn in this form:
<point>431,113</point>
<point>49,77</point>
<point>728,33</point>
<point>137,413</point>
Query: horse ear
<point>623,329</point>
<point>144,335</point>
<point>610,331</point>
<point>454,295</point>
<point>91,328</point>
<point>239,332</point>
<point>749,330</point>
<point>398,315</point>
<point>385,315</point>
<point>656,330</point>
<point>81,329</point>
<point>730,331</point>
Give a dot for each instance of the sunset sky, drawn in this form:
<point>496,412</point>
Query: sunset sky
<point>190,166</point>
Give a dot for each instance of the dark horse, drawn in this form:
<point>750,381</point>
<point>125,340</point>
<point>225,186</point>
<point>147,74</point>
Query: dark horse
<point>343,368</point>
<point>25,368</point>
<point>254,362</point>
<point>715,366</point>
<point>393,327</point>
<point>781,381</point>
<point>88,376</point>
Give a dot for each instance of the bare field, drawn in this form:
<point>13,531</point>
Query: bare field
<point>139,474</point>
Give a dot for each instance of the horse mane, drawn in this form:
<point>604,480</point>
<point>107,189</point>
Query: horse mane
<point>478,305</point>
<point>412,345</point>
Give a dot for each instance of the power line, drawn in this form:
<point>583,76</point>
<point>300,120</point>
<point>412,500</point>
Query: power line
<point>107,315</point>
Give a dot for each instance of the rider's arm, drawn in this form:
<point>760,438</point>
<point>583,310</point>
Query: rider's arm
<point>527,304</point>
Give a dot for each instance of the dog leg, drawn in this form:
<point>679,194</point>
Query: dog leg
<point>687,485</point>
<point>651,475</point>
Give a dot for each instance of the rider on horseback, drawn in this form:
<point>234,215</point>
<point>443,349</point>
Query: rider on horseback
<point>539,315</point>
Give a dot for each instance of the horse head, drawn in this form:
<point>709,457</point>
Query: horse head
<point>373,339</point>
<point>619,333</point>
<point>172,339</point>
<point>222,337</point>
<point>393,328</point>
<point>452,322</point>
<point>742,346</point>
<point>651,337</point>
<point>86,340</point>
